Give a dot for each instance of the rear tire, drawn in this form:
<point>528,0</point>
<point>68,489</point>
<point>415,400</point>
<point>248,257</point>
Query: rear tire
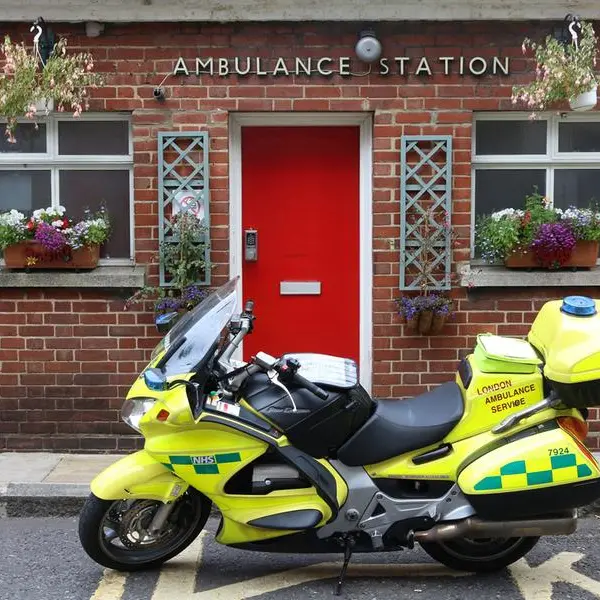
<point>479,555</point>
<point>113,532</point>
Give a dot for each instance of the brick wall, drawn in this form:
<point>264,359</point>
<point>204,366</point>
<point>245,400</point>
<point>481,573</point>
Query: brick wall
<point>68,357</point>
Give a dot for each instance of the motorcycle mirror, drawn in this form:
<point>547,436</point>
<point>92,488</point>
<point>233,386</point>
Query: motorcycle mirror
<point>165,321</point>
<point>155,380</point>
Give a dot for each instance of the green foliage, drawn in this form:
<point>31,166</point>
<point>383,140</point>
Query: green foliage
<point>184,257</point>
<point>184,260</point>
<point>494,240</point>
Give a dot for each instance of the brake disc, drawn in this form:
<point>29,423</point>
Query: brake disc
<point>134,523</point>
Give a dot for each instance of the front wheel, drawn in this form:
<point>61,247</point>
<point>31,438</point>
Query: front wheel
<point>115,533</point>
<point>479,555</point>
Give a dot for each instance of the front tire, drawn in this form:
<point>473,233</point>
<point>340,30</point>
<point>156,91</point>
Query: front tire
<point>114,534</point>
<point>479,555</point>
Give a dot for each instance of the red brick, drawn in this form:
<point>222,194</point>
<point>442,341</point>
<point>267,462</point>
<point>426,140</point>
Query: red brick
<point>61,318</point>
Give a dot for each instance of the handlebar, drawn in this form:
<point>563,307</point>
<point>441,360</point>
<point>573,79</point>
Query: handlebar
<point>310,386</point>
<point>288,370</point>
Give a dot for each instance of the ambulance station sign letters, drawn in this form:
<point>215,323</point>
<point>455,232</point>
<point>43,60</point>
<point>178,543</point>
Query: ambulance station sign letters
<point>326,66</point>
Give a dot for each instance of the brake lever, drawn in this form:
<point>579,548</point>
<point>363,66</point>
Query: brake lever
<point>274,378</point>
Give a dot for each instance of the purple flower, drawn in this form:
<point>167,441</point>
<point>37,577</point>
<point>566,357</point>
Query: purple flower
<point>193,295</point>
<point>410,307</point>
<point>553,244</point>
<point>168,304</point>
<point>50,238</point>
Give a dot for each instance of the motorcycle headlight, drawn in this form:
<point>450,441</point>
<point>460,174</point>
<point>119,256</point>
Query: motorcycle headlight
<point>134,409</point>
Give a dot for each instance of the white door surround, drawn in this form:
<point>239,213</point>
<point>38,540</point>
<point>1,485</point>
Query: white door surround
<point>299,119</point>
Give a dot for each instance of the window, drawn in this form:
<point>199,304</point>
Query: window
<point>560,155</point>
<point>81,164</point>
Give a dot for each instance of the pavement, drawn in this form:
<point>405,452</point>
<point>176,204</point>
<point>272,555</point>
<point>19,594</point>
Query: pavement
<point>42,484</point>
<point>47,484</point>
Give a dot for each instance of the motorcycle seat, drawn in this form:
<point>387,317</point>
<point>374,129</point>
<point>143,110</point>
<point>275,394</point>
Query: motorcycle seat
<point>399,426</point>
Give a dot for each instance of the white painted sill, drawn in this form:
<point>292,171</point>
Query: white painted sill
<point>476,274</point>
<point>117,276</point>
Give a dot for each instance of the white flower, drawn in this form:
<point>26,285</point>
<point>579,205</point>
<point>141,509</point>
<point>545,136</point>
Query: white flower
<point>13,219</point>
<point>58,223</point>
<point>61,210</point>
<point>509,213</point>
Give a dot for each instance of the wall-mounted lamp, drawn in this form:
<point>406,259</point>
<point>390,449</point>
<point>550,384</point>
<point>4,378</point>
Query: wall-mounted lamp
<point>368,48</point>
<point>93,29</point>
<point>569,31</point>
<point>159,94</point>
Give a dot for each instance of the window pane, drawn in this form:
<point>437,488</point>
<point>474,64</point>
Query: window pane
<point>496,189</point>
<point>29,139</point>
<point>25,190</point>
<point>576,187</point>
<point>93,137</point>
<point>579,137</point>
<point>81,190</point>
<point>510,137</point>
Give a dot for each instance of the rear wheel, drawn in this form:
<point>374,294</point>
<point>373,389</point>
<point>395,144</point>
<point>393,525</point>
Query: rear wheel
<point>115,533</point>
<point>481,554</point>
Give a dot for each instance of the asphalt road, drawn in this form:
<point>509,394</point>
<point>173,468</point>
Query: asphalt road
<point>41,559</point>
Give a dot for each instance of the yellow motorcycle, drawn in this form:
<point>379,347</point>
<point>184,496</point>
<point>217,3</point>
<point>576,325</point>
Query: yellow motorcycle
<point>297,457</point>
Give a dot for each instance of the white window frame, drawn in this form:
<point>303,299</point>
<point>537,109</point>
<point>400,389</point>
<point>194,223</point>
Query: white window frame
<point>551,161</point>
<point>52,161</point>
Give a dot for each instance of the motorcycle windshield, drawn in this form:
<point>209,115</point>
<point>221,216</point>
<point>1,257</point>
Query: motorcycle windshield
<point>192,337</point>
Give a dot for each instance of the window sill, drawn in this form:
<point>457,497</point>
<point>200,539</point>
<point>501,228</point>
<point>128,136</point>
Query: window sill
<point>472,275</point>
<point>101,277</point>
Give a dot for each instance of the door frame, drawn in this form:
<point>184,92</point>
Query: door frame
<point>303,119</point>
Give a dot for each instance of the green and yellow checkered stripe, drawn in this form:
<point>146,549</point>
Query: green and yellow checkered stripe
<point>203,465</point>
<point>516,475</point>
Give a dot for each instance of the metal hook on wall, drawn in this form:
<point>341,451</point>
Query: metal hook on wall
<point>43,40</point>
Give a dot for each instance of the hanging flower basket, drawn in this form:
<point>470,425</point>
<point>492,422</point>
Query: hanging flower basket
<point>584,255</point>
<point>32,255</point>
<point>31,84</point>
<point>585,101</point>
<point>425,321</point>
<point>565,69</point>
<point>425,314</point>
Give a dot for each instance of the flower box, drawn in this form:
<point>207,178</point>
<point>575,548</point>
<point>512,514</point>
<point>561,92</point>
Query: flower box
<point>585,254</point>
<point>30,254</point>
<point>50,240</point>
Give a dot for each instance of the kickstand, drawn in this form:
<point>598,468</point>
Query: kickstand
<point>347,557</point>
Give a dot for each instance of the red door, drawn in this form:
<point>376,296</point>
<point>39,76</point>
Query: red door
<point>300,192</point>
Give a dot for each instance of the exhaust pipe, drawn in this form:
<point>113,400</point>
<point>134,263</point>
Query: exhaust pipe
<point>474,527</point>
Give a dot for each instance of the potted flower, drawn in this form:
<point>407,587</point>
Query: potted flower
<point>50,240</point>
<point>540,236</point>
<point>426,272</point>
<point>426,313</point>
<point>183,258</point>
<point>564,71</point>
<point>28,83</point>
